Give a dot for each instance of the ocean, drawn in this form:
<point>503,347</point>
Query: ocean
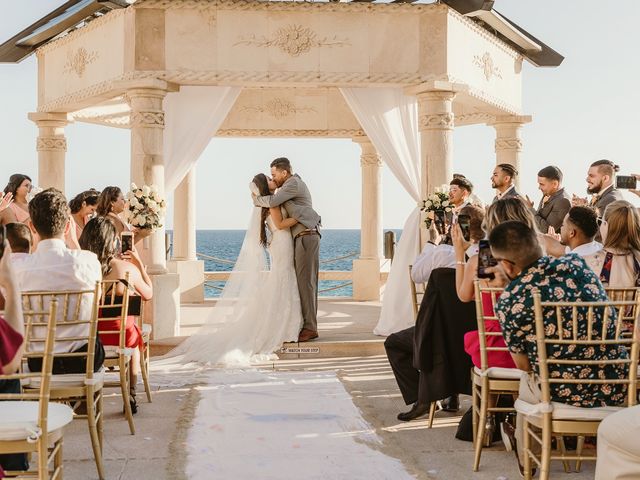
<point>226,244</point>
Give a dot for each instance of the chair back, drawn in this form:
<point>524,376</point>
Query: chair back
<point>417,293</point>
<point>114,307</point>
<point>487,297</point>
<point>46,320</point>
<point>76,320</point>
<point>616,329</point>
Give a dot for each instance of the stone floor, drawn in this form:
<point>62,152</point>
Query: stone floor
<point>158,452</point>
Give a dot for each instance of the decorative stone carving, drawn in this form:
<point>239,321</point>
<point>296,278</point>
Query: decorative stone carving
<point>77,62</point>
<point>293,40</point>
<point>485,62</point>
<point>289,133</point>
<point>147,119</point>
<point>508,144</point>
<point>278,108</point>
<point>437,121</point>
<point>370,160</point>
<point>51,144</point>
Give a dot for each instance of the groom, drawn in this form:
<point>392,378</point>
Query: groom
<point>294,195</point>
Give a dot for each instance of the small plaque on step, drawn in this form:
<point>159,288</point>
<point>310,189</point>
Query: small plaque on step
<point>300,350</point>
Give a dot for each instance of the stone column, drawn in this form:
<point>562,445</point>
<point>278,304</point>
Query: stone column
<point>184,261</point>
<point>508,142</point>
<point>52,148</point>
<point>147,168</point>
<point>435,112</point>
<point>366,269</point>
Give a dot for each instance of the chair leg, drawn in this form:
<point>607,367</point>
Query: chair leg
<point>526,449</point>
<point>482,420</point>
<point>579,447</point>
<point>93,431</point>
<point>475,408</point>
<point>43,457</point>
<point>545,457</point>
<point>563,449</point>
<point>124,388</point>
<point>58,465</point>
<point>432,413</point>
<point>100,418</point>
<point>144,369</point>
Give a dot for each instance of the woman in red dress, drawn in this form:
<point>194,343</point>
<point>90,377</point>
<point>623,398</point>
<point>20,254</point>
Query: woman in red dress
<point>99,236</point>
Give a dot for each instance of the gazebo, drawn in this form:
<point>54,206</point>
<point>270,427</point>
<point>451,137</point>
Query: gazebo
<point>396,77</point>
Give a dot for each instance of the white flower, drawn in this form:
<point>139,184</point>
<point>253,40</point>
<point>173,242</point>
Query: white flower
<point>445,203</point>
<point>428,204</point>
<point>133,202</point>
<point>140,220</point>
<point>138,193</point>
<point>133,186</point>
<point>130,196</point>
<point>152,204</point>
<point>146,190</point>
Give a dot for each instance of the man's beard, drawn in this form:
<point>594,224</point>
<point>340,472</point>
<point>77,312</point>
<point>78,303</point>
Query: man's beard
<point>595,188</point>
<point>494,184</point>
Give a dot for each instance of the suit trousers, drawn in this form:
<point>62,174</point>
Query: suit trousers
<point>306,256</point>
<point>399,347</point>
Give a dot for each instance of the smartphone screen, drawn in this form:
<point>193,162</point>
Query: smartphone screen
<point>485,260</point>
<point>465,225</point>
<point>626,181</point>
<point>126,241</point>
<point>439,219</point>
<point>3,235</point>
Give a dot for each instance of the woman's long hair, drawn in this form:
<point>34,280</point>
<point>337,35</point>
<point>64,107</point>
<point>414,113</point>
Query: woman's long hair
<point>623,227</point>
<point>15,181</point>
<point>262,183</point>
<point>88,197</point>
<point>99,236</point>
<point>108,195</point>
<point>512,208</point>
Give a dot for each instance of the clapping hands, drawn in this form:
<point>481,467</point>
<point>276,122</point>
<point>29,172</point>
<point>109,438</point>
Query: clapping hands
<point>577,201</point>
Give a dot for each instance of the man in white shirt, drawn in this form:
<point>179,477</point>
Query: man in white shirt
<point>55,267</point>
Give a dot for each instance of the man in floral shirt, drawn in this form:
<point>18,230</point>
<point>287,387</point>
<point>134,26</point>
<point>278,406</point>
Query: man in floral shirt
<point>567,278</point>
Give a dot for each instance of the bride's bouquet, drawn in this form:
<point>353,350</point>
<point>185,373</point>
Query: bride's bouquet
<point>146,207</point>
<point>437,205</point>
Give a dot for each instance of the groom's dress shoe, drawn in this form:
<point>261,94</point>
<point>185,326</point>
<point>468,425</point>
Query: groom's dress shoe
<point>306,335</point>
<point>417,410</point>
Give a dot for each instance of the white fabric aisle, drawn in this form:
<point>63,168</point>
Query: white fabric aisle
<point>281,425</point>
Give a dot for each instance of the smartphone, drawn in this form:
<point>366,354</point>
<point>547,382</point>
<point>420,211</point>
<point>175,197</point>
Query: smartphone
<point>126,242</point>
<point>440,220</point>
<point>485,260</point>
<point>3,236</point>
<point>626,181</point>
<point>465,225</point>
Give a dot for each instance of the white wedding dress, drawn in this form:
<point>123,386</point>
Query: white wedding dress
<point>258,310</point>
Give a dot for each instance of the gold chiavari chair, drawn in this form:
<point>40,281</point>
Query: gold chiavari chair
<point>548,419</point>
<point>145,354</point>
<point>488,383</point>
<point>74,328</point>
<point>113,307</point>
<point>417,294</point>
<point>30,423</point>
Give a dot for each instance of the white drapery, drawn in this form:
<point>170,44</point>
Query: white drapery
<point>390,120</point>
<point>192,116</point>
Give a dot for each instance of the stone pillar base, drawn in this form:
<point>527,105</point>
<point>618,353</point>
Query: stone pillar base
<point>163,311</point>
<point>366,279</point>
<point>191,279</point>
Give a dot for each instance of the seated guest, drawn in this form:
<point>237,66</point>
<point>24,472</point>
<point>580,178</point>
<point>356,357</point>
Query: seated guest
<point>519,254</point>
<point>19,187</point>
<point>11,347</point>
<point>502,179</point>
<point>83,206</point>
<point>99,237</point>
<point>20,239</point>
<point>618,263</point>
<point>400,346</point>
<point>555,202</point>
<point>618,452</point>
<point>53,266</point>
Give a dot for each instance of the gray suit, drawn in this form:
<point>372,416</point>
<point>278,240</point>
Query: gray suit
<point>553,211</point>
<point>610,195</point>
<point>296,199</point>
<point>508,194</point>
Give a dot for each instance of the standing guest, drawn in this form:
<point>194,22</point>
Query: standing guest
<point>111,204</point>
<point>473,198</point>
<point>19,187</point>
<point>99,237</point>
<point>555,202</point>
<point>460,189</point>
<point>519,254</point>
<point>600,185</point>
<point>503,179</point>
<point>83,206</point>
<point>53,266</point>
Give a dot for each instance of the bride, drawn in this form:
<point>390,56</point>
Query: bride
<point>259,308</point>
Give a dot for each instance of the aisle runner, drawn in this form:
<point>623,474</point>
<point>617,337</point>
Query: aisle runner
<point>259,426</point>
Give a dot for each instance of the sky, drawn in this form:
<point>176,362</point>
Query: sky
<point>584,110</point>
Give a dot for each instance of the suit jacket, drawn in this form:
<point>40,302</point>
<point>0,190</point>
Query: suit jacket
<point>552,213</point>
<point>296,199</point>
<point>439,338</point>
<point>610,195</point>
<point>510,193</point>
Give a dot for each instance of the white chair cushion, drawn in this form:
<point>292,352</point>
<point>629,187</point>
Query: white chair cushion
<point>70,380</point>
<point>500,373</point>
<point>19,420</point>
<point>562,411</point>
<point>111,351</point>
<point>146,328</point>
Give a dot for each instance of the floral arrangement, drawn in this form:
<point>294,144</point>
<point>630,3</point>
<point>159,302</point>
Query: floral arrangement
<point>436,202</point>
<point>146,207</point>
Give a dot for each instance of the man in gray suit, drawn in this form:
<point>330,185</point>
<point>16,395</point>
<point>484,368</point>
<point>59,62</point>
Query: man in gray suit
<point>555,202</point>
<point>294,195</point>
<point>600,184</point>
<point>502,179</point>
